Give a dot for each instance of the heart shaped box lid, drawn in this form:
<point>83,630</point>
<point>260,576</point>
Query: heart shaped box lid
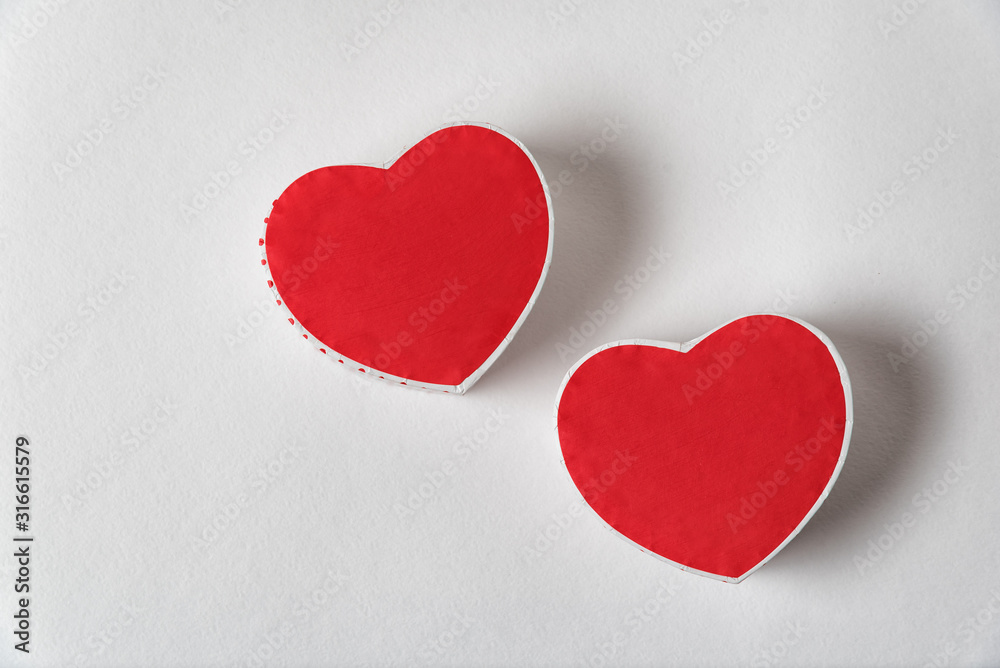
<point>712,454</point>
<point>418,271</point>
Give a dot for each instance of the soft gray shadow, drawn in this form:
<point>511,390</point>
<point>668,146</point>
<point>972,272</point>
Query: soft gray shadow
<point>595,243</point>
<point>890,410</point>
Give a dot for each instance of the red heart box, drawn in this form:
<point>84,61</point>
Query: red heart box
<point>711,454</point>
<point>418,271</point>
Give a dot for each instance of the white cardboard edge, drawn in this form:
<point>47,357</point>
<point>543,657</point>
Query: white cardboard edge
<point>683,348</point>
<point>372,372</point>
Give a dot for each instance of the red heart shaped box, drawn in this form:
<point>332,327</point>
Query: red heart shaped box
<point>711,454</point>
<point>419,271</point>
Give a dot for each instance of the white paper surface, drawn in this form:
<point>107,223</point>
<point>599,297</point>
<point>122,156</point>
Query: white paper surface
<point>207,490</point>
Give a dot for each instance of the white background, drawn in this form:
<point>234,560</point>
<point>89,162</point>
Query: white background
<point>256,519</point>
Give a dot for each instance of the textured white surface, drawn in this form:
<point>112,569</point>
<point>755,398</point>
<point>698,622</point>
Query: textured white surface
<point>271,475</point>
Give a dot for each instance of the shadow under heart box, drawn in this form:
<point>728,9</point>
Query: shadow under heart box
<point>418,271</point>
